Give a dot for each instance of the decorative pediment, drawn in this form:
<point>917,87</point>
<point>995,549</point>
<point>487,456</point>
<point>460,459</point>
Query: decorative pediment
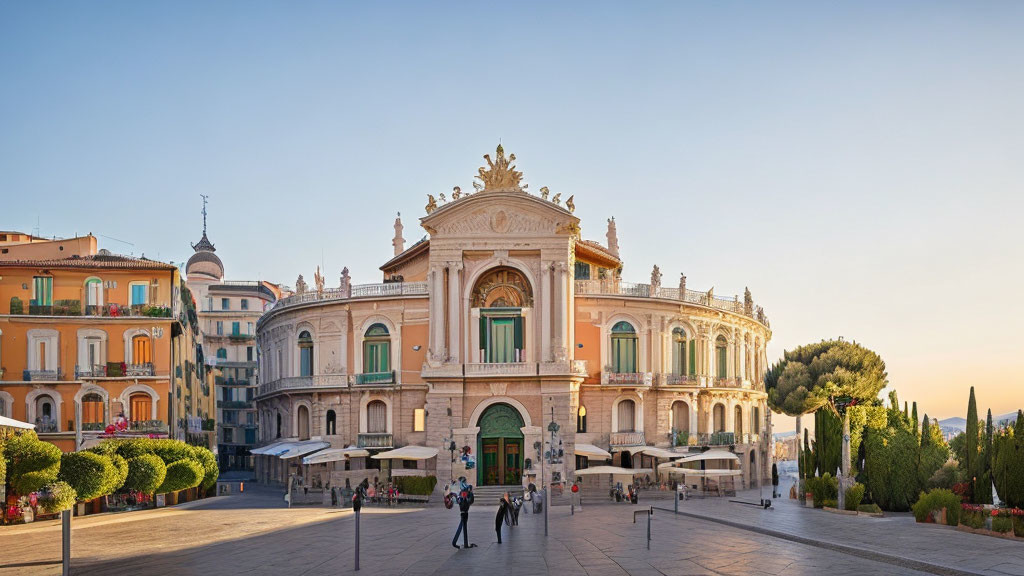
<point>501,214</point>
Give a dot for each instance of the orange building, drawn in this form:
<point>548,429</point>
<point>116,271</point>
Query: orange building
<point>90,339</point>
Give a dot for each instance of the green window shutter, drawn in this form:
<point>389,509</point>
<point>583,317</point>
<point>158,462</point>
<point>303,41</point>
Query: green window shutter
<point>483,337</point>
<point>519,332</point>
<point>693,358</point>
<point>385,357</point>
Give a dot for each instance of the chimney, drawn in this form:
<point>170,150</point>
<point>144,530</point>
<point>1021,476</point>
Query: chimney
<point>398,242</point>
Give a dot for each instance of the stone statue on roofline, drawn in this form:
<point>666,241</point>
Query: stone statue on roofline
<point>682,286</point>
<point>655,280</point>
<point>346,283</point>
<point>300,285</point>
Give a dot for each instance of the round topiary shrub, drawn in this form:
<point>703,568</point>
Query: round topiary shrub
<point>120,472</point>
<point>31,463</point>
<point>133,447</point>
<point>210,469</point>
<point>146,473</point>
<point>170,450</point>
<point>91,475</point>
<point>57,497</point>
<point>182,475</point>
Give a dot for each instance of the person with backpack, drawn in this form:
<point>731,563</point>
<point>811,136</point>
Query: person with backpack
<point>465,500</point>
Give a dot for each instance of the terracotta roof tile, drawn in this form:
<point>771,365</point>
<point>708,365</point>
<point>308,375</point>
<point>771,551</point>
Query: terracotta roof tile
<point>109,261</point>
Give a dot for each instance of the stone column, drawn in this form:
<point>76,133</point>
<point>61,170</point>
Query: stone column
<point>454,287</point>
<point>743,356</point>
<point>560,312</point>
<point>693,415</point>
<point>343,355</point>
<point>437,349</point>
<point>545,311</point>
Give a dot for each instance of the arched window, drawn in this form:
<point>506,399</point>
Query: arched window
<point>141,349</point>
<point>93,296</point>
<point>93,410</point>
<point>376,417</point>
<point>623,348</point>
<point>719,418</point>
<point>278,424</point>
<point>3,406</point>
<point>332,423</point>
<point>721,355</point>
<point>303,421</point>
<point>738,421</point>
<point>141,407</point>
<point>581,419</point>
<point>679,351</point>
<point>627,416</point>
<point>377,350</point>
<point>222,353</point>
<point>305,354</point>
<point>680,417</point>
<point>46,414</point>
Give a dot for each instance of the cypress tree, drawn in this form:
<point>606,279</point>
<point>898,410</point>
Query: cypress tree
<point>913,414</point>
<point>926,433</point>
<point>971,437</point>
<point>983,491</point>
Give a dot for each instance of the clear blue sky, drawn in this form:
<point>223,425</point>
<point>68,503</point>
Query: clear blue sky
<point>858,166</point>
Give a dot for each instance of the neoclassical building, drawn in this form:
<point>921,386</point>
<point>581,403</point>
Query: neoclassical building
<point>501,322</point>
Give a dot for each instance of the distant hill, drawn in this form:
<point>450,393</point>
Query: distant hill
<point>783,435</point>
<point>957,424</point>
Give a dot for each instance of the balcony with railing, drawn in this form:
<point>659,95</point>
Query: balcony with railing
<point>381,290</point>
<point>626,439</point>
<point>727,383</point>
<point>75,308</point>
<point>240,337</point>
<point>615,287</point>
<point>627,378</point>
<point>375,440</point>
<point>41,375</point>
<point>500,369</point>
<point>671,379</point>
<point>375,378</point>
<point>304,382</point>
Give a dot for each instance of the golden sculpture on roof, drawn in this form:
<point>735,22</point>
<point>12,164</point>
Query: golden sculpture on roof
<point>500,174</point>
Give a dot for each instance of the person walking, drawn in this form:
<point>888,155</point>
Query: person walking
<point>502,517</point>
<point>465,500</point>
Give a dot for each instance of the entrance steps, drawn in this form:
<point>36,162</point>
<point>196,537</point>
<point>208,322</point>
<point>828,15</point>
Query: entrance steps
<point>489,495</point>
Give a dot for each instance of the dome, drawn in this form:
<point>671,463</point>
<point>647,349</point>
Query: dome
<point>204,262</point>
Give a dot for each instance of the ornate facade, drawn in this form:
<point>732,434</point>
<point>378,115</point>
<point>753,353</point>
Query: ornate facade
<point>501,323</point>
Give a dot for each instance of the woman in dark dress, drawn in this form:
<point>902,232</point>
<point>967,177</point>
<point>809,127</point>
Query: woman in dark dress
<point>502,516</point>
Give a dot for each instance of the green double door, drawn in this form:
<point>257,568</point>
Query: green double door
<point>500,446</point>
<point>502,461</point>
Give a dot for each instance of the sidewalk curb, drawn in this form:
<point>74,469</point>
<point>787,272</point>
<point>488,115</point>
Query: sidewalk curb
<point>851,550</point>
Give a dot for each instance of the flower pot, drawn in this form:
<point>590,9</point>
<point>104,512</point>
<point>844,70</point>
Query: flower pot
<point>810,500</point>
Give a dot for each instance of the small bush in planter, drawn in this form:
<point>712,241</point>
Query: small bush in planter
<point>935,500</point>
<point>1001,523</point>
<point>90,474</point>
<point>854,496</point>
<point>972,516</point>
<point>869,509</point>
<point>828,503</point>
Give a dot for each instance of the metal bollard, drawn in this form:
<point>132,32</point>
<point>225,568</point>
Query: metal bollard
<point>357,540</point>
<point>651,513</point>
<point>677,501</point>
<point>65,521</point>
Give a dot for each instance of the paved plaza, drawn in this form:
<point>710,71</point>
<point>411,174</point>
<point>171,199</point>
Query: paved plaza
<point>253,534</point>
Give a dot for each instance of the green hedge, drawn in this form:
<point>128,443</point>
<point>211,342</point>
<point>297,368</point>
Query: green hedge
<point>146,473</point>
<point>182,475</point>
<point>171,450</point>
<point>416,485</point>
<point>57,497</point>
<point>31,463</point>
<point>854,496</point>
<point>938,499</point>
<point>91,475</point>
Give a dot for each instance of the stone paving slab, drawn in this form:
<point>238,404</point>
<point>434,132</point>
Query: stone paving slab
<point>252,534</point>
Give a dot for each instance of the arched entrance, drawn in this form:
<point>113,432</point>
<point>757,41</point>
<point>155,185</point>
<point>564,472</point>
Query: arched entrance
<point>500,446</point>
